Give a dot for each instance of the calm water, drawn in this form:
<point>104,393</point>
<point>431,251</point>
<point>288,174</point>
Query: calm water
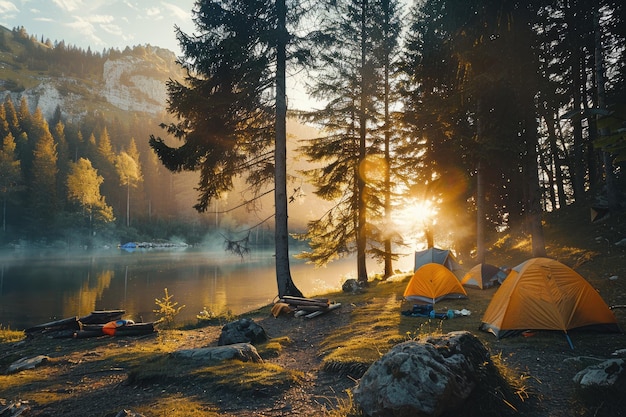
<point>42,288</point>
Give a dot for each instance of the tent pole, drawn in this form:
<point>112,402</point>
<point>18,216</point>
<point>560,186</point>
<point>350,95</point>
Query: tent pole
<point>571,345</point>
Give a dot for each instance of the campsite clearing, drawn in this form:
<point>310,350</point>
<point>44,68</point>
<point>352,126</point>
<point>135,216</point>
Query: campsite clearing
<point>102,376</point>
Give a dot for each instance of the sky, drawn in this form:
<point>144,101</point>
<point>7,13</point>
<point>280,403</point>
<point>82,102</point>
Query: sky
<point>101,24</point>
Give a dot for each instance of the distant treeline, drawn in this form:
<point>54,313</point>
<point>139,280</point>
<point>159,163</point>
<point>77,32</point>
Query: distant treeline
<point>87,182</point>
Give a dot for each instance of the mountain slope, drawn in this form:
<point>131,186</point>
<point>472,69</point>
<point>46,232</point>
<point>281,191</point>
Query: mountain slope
<point>77,81</point>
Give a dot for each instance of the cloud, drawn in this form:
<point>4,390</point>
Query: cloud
<point>86,28</point>
<point>153,12</point>
<point>102,18</point>
<point>68,5</point>
<point>112,29</point>
<point>176,12</point>
<point>43,19</point>
<point>7,7</point>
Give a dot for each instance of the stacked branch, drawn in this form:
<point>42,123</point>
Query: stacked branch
<point>309,307</point>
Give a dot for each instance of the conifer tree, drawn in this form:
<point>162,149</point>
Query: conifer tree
<point>42,186</point>
<point>129,176</point>
<point>351,79</point>
<point>227,117</point>
<point>11,181</point>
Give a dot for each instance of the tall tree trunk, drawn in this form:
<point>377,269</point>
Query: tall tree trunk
<point>609,177</point>
<point>533,200</point>
<point>388,250</point>
<point>480,190</point>
<point>480,214</point>
<point>361,242</point>
<point>128,204</point>
<point>578,168</point>
<point>283,273</point>
<point>554,150</point>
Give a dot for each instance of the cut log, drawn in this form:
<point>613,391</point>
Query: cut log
<point>300,301</point>
<point>310,308</point>
<point>320,312</point>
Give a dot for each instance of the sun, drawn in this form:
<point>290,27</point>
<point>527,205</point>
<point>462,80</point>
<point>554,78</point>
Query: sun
<point>415,215</point>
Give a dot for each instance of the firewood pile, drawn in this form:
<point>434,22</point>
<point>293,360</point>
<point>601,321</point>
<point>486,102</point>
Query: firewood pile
<point>303,307</point>
<point>13,409</point>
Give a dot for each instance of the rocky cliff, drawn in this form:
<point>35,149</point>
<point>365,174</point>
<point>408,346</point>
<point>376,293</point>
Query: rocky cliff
<point>131,81</point>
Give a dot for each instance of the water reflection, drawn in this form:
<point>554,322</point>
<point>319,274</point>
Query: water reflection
<point>41,288</point>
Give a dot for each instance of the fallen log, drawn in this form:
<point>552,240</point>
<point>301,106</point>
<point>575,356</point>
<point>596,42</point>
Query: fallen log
<point>323,311</point>
<point>301,301</point>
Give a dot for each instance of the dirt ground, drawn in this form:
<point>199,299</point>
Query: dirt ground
<point>86,389</point>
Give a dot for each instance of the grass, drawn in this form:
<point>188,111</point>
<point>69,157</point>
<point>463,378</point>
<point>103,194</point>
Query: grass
<point>10,336</point>
<point>232,376</point>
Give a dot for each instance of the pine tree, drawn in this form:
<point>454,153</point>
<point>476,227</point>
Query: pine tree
<point>11,181</point>
<point>228,122</point>
<point>129,174</point>
<point>348,79</point>
<point>42,187</point>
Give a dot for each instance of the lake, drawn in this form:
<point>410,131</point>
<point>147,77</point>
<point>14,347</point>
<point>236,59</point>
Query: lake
<point>39,288</point>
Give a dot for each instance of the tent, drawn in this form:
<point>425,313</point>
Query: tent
<point>438,256</point>
<point>482,276</point>
<point>544,294</point>
<point>431,283</point>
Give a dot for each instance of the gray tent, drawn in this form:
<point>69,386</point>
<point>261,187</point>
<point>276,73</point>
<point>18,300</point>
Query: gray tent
<point>437,256</point>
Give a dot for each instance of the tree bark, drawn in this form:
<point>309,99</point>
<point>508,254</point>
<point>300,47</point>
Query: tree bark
<point>281,237</point>
<point>480,214</point>
<point>361,238</point>
<point>609,177</point>
<point>388,250</point>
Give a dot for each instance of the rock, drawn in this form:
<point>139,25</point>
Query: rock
<point>242,331</point>
<point>128,413</point>
<point>351,286</point>
<point>27,363</point>
<point>422,378</point>
<point>619,352</point>
<point>242,351</point>
<point>604,374</point>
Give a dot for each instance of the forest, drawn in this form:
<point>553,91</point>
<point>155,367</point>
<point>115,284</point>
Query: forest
<point>488,114</point>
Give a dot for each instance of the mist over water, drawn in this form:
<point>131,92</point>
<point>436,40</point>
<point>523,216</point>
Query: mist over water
<point>40,287</point>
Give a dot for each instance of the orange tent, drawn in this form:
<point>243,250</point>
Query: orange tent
<point>481,276</point>
<point>433,282</point>
<point>544,294</point>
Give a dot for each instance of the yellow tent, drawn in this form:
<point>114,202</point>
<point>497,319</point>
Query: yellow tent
<point>433,282</point>
<point>482,276</point>
<point>544,294</point>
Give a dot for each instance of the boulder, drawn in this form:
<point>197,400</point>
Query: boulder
<point>604,374</point>
<point>351,286</point>
<point>242,331</point>
<point>242,351</point>
<point>27,363</point>
<point>422,378</point>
